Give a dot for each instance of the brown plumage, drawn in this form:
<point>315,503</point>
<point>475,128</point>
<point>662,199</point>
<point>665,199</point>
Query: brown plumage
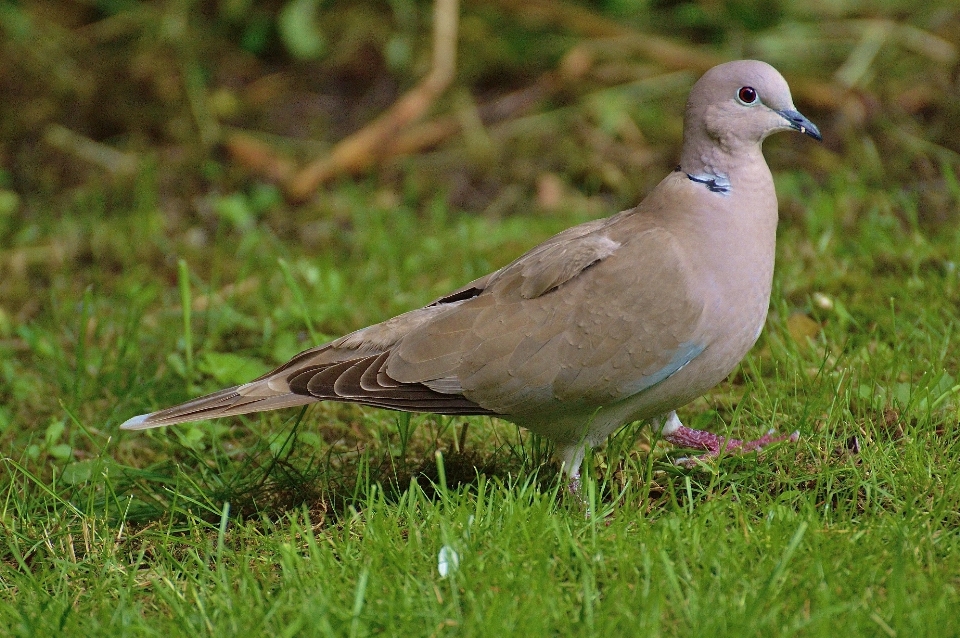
<point>612,321</point>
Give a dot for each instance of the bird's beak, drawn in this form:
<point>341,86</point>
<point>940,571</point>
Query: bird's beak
<point>800,123</point>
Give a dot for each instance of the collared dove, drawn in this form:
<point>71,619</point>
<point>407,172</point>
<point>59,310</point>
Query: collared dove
<point>610,322</point>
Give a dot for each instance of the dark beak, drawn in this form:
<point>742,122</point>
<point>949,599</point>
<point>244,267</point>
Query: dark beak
<point>801,123</point>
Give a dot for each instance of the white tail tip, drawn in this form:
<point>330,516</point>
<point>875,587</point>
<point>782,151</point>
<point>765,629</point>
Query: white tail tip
<point>135,423</point>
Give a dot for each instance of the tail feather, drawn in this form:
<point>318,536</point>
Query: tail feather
<point>214,406</point>
<point>362,380</point>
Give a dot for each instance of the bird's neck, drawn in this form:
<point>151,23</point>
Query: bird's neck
<point>734,231</point>
<point>723,168</point>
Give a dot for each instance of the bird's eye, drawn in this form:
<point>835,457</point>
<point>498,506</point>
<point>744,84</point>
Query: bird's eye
<point>747,95</point>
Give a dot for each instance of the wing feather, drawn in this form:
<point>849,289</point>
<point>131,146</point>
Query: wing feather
<point>565,325</point>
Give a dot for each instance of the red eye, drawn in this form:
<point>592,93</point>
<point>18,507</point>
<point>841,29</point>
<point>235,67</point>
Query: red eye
<point>747,94</point>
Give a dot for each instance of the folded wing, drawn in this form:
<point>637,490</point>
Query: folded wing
<point>567,324</point>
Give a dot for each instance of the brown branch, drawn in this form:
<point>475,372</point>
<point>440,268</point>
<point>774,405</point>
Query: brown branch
<point>258,157</point>
<point>432,133</point>
<point>367,145</point>
<point>94,152</point>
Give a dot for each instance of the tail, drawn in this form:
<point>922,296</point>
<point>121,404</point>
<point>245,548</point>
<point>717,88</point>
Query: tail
<point>306,380</point>
<point>226,402</point>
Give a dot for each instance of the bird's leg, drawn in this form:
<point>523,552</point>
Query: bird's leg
<point>572,456</point>
<point>675,432</point>
<point>573,485</point>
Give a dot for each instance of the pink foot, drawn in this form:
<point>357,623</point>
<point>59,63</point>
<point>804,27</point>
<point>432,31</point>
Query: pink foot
<point>686,437</point>
<point>576,490</point>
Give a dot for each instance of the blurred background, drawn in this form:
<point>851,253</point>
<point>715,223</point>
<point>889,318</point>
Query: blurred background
<point>192,192</point>
<point>293,170</point>
<point>552,103</point>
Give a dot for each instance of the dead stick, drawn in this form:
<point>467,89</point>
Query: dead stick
<point>428,134</point>
<point>92,151</point>
<point>367,145</point>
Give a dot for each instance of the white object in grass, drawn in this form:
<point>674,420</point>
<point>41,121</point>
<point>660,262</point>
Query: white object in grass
<point>447,561</point>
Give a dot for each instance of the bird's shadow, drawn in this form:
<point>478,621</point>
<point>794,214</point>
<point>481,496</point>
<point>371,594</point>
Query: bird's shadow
<point>270,481</point>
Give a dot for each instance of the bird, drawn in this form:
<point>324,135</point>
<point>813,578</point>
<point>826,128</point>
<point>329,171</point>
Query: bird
<point>610,322</point>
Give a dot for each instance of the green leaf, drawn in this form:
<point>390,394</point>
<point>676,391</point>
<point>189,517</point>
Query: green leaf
<point>9,203</point>
<point>297,25</point>
<point>82,471</point>
<point>235,209</point>
<point>79,472</point>
<point>191,436</point>
<point>61,451</point>
<point>54,432</point>
<point>231,369</point>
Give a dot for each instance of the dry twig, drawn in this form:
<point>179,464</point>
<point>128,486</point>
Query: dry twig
<point>368,145</point>
<point>94,152</point>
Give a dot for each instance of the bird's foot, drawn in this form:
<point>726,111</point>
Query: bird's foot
<point>686,437</point>
<point>575,488</point>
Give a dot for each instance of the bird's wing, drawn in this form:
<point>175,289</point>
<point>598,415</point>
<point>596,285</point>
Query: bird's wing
<point>350,369</point>
<point>477,286</point>
<point>589,316</point>
<point>582,322</point>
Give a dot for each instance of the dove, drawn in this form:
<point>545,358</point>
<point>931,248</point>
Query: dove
<point>610,322</point>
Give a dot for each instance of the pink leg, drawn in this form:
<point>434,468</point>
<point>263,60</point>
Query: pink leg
<point>680,435</point>
<point>572,457</point>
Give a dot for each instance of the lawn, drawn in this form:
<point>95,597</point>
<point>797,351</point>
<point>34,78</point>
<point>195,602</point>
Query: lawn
<point>124,294</point>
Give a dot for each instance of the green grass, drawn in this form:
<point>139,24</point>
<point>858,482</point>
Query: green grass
<point>331,521</point>
<point>121,294</point>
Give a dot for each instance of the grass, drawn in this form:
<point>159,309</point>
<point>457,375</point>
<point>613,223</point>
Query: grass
<point>331,521</point>
<point>125,294</point>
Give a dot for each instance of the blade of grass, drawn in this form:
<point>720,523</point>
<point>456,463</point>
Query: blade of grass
<point>299,297</point>
<point>186,304</point>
